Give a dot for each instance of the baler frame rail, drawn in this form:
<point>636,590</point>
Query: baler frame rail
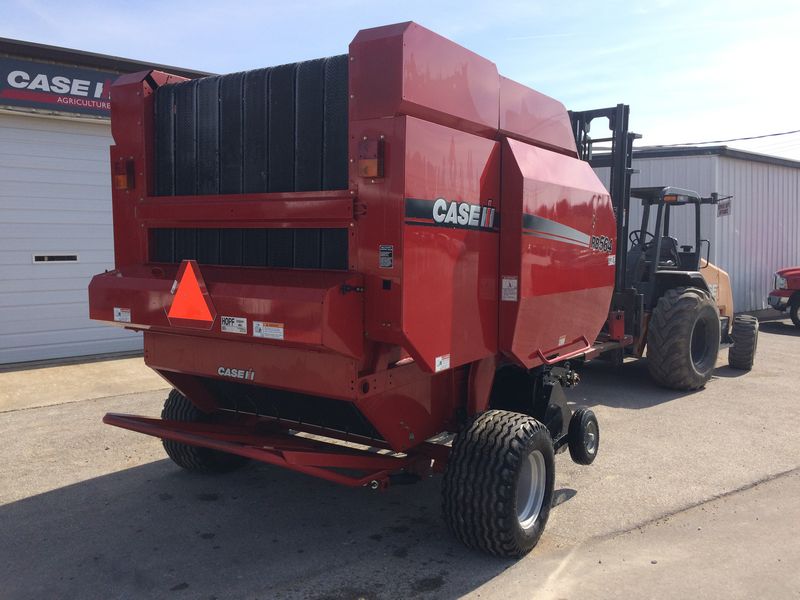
<point>277,446</point>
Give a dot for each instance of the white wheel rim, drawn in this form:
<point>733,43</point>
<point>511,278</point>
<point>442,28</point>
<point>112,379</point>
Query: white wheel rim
<point>530,489</point>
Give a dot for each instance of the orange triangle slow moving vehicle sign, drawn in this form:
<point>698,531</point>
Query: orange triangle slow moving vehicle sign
<point>191,305</point>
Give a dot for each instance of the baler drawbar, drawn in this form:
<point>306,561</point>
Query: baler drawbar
<point>367,268</point>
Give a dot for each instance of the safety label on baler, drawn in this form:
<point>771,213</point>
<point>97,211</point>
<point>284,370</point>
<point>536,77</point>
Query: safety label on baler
<point>442,363</point>
<point>508,292</point>
<point>386,256</point>
<point>233,324</point>
<point>122,315</point>
<point>265,329</point>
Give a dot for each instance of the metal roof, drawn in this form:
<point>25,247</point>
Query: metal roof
<point>79,58</point>
<point>675,151</point>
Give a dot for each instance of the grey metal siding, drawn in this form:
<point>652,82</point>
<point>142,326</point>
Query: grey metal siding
<point>54,197</point>
<point>762,232</point>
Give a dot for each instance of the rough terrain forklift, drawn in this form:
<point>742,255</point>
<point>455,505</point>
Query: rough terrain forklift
<point>669,300</point>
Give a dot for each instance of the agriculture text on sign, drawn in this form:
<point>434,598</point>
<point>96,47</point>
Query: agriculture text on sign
<point>44,86</point>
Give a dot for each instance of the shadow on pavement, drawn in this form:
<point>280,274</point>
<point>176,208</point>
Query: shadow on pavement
<point>154,531</point>
<point>626,386</point>
<point>780,328</point>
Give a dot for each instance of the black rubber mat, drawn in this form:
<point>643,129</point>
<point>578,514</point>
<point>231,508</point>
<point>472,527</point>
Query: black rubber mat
<point>280,129</point>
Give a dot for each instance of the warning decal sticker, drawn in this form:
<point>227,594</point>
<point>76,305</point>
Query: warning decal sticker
<point>265,329</point>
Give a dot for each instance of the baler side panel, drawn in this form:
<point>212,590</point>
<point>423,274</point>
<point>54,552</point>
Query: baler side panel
<point>409,70</point>
<point>450,255</point>
<point>132,127</point>
<point>557,249</point>
<point>532,117</point>
<point>378,224</point>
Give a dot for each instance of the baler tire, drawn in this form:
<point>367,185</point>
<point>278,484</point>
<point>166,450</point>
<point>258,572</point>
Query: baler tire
<point>670,339</point>
<point>479,490</point>
<point>583,436</point>
<point>745,342</point>
<point>194,458</point>
<point>794,313</point>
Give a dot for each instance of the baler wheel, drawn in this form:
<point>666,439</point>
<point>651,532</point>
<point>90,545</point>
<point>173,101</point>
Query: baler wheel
<point>683,339</point>
<point>193,458</point>
<point>745,342</point>
<point>498,486</point>
<point>583,436</point>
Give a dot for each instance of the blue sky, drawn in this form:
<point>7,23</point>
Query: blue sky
<point>691,70</point>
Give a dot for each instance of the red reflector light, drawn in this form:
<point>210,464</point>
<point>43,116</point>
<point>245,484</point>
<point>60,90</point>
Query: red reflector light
<point>370,158</point>
<point>123,175</point>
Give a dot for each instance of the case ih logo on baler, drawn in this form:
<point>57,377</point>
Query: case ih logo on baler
<point>451,213</point>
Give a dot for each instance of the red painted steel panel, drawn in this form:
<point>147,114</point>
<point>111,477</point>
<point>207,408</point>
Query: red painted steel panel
<point>310,305</point>
<point>405,69</point>
<point>379,223</point>
<point>532,117</point>
<point>449,269</point>
<point>552,206</point>
<point>319,208</point>
<point>409,413</point>
<point>132,129</point>
<point>296,369</point>
<point>439,296</point>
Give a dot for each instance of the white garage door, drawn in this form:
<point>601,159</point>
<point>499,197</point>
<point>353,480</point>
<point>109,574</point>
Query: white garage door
<point>55,202</point>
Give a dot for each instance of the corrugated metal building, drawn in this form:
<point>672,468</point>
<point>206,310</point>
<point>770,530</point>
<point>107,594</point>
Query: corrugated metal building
<point>752,235</point>
<point>55,199</point>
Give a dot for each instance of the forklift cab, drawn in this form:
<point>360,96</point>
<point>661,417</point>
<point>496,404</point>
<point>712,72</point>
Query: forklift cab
<point>656,251</point>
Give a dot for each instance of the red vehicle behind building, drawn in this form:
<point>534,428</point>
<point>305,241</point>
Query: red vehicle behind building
<point>786,295</point>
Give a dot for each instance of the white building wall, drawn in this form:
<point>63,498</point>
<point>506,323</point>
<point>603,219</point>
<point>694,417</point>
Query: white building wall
<point>55,197</point>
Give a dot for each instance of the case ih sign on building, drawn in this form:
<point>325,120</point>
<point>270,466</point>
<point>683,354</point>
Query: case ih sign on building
<point>53,87</point>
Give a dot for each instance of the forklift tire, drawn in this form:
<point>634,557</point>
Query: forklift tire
<point>794,313</point>
<point>745,341</point>
<point>683,339</point>
<point>498,486</point>
<point>194,458</point>
<point>583,436</point>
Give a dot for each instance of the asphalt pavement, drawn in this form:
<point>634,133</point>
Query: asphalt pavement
<point>692,495</point>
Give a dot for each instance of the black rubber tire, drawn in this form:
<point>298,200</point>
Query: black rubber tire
<point>683,339</point>
<point>479,491</point>
<point>583,442</point>
<point>193,458</point>
<point>794,313</point>
<point>745,341</point>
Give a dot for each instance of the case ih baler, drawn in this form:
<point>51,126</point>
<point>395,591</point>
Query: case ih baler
<point>335,261</point>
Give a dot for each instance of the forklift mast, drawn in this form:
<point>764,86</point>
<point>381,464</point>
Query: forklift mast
<point>619,161</point>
